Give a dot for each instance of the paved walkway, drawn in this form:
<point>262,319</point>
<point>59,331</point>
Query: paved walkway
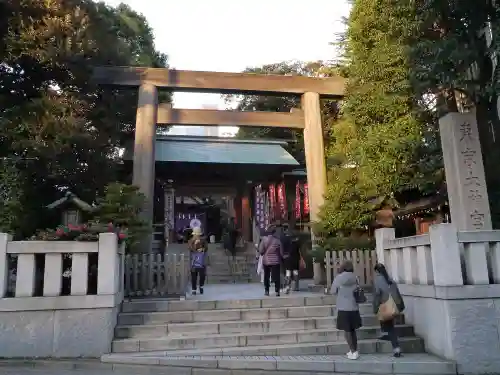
<point>420,363</point>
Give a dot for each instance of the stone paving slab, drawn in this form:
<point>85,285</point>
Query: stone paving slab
<point>408,344</point>
<point>203,302</point>
<point>236,326</point>
<point>242,314</point>
<point>200,341</point>
<point>415,364</point>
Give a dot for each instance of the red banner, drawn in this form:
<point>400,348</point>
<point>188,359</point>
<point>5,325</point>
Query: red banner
<point>306,199</point>
<point>272,202</point>
<point>283,209</point>
<point>298,208</point>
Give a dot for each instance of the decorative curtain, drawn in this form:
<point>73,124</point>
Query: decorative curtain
<point>188,220</point>
<point>306,199</point>
<point>267,218</point>
<point>272,202</point>
<point>169,214</point>
<point>298,208</point>
<point>283,210</point>
<point>259,208</point>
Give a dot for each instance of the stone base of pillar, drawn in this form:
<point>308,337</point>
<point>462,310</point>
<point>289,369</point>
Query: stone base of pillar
<point>457,323</point>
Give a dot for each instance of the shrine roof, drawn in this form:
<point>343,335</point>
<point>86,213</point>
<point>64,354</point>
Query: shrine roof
<point>220,150</point>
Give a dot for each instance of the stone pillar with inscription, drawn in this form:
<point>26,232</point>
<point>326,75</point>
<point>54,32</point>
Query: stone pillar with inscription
<point>465,178</point>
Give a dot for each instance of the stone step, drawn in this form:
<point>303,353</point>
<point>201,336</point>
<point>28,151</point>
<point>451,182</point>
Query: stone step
<point>231,281</point>
<point>221,274</point>
<point>264,326</point>
<point>368,346</point>
<point>153,305</point>
<point>256,314</point>
<point>414,364</point>
<point>244,339</point>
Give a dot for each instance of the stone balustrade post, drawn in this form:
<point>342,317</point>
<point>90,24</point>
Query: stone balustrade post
<point>4,266</point>
<point>445,254</point>
<point>108,266</point>
<point>382,235</point>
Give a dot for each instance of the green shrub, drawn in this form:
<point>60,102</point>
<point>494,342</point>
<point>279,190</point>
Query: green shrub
<point>122,206</point>
<point>118,211</point>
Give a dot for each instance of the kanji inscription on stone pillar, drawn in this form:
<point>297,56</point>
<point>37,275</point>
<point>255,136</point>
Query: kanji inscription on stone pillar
<point>465,178</point>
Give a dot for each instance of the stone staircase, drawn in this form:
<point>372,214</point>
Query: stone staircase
<point>291,333</point>
<point>224,268</point>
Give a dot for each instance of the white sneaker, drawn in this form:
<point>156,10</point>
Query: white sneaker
<point>352,355</point>
<point>349,354</point>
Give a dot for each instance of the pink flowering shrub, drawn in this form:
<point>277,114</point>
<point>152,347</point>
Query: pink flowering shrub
<point>84,232</point>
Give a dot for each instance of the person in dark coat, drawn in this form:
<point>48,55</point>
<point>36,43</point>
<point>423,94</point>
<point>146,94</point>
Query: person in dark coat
<point>271,250</point>
<point>231,237</point>
<point>384,287</point>
<point>291,257</point>
<point>198,248</point>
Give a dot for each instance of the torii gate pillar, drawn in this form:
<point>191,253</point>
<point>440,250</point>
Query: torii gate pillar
<point>315,153</point>
<point>144,152</point>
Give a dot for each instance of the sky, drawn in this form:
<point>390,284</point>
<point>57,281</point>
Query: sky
<point>229,35</point>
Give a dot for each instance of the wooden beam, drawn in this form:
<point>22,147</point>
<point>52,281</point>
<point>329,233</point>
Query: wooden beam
<point>209,117</point>
<point>215,82</point>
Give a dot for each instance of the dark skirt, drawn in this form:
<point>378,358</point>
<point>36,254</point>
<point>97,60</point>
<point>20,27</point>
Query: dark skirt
<point>348,320</point>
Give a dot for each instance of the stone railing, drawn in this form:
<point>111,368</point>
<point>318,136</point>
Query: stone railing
<point>450,282</point>
<point>444,257</point>
<point>41,317</point>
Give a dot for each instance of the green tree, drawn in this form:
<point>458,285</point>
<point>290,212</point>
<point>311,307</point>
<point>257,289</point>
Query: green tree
<point>10,191</point>
<point>122,205</point>
<point>67,131</point>
<point>285,103</point>
<point>386,140</point>
<point>454,62</point>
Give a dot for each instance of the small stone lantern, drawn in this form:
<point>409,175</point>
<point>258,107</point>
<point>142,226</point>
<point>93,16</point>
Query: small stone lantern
<point>72,208</point>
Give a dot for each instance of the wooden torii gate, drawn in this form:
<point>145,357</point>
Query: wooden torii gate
<point>149,114</point>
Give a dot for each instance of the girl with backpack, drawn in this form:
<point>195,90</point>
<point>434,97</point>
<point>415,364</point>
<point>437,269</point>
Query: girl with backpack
<point>198,256</point>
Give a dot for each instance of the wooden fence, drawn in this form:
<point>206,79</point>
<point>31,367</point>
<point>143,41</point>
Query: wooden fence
<point>156,275</point>
<point>363,261</point>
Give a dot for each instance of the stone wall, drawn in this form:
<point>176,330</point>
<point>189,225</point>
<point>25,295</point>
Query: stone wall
<point>62,333</point>
<point>458,323</point>
<point>450,281</point>
<point>56,325</point>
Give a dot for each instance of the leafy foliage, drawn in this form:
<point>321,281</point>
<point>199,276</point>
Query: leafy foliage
<point>118,211</point>
<point>285,103</point>
<point>122,205</point>
<point>10,191</point>
<point>84,233</point>
<point>385,141</point>
<point>454,60</point>
<point>63,132</point>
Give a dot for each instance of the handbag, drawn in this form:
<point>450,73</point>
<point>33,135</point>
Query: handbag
<point>302,262</point>
<point>359,293</point>
<point>387,310</point>
<point>260,266</point>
